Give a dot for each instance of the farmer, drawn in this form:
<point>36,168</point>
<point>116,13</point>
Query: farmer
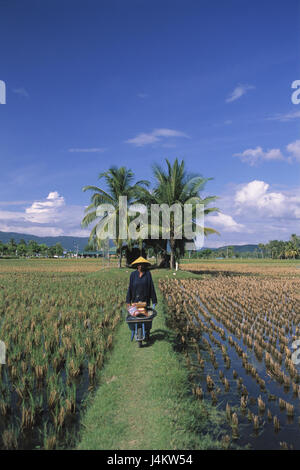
<point>141,288</point>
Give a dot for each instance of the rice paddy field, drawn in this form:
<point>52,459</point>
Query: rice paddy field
<point>235,323</point>
<point>237,326</point>
<point>57,320</point>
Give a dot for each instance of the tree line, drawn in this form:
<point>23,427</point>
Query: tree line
<point>32,248</point>
<point>274,249</point>
<point>278,249</point>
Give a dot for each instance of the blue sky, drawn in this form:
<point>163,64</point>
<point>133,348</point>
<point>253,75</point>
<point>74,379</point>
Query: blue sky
<point>92,84</point>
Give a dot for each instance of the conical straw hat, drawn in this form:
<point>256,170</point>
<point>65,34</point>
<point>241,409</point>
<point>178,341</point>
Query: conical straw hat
<point>140,260</point>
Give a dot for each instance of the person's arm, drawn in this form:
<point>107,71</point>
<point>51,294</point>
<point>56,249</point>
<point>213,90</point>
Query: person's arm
<point>129,292</point>
<point>152,291</point>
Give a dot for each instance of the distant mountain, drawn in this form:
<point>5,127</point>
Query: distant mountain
<point>71,243</point>
<point>68,243</point>
<point>237,248</point>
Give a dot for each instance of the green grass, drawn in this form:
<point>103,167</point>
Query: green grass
<point>143,401</point>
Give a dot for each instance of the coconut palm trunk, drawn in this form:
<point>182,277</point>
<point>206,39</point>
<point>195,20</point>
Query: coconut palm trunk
<point>120,259</point>
<point>172,251</point>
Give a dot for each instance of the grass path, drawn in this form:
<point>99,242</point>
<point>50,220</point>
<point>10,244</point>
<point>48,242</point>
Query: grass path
<point>143,400</point>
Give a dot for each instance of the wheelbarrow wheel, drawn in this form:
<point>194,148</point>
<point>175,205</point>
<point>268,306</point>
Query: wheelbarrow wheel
<point>139,336</point>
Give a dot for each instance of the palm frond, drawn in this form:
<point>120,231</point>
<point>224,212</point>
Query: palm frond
<point>210,231</point>
<point>89,218</point>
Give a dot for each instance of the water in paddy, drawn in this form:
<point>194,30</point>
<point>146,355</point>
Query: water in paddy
<point>265,437</point>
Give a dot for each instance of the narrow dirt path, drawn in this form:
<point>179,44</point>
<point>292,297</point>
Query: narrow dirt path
<point>133,406</point>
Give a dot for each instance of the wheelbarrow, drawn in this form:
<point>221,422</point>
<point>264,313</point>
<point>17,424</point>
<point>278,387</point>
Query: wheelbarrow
<point>139,325</point>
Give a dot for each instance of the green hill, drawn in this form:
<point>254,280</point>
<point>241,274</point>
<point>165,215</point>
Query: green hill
<point>71,243</point>
<point>237,248</point>
<point>68,243</point>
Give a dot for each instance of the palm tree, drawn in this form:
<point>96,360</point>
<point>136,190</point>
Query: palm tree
<point>261,246</point>
<point>291,253</point>
<point>175,186</point>
<point>119,182</point>
<point>295,241</point>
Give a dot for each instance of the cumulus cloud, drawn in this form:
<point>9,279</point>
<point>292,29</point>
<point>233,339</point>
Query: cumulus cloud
<point>11,215</point>
<point>50,216</point>
<point>155,136</point>
<point>45,211</point>
<point>257,155</point>
<point>254,156</point>
<point>256,196</point>
<point>261,212</point>
<point>294,149</point>
<point>224,222</point>
<point>238,92</point>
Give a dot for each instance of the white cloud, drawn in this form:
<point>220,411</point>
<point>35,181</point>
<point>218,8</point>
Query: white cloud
<point>45,211</point>
<point>224,222</point>
<point>11,215</point>
<point>264,203</point>
<point>262,212</point>
<point>51,216</point>
<point>13,203</point>
<point>294,149</point>
<point>87,150</point>
<point>273,154</point>
<point>256,155</point>
<point>169,133</point>
<point>155,136</point>
<point>285,117</point>
<point>143,139</point>
<point>250,193</point>
<point>38,231</point>
<point>238,92</point>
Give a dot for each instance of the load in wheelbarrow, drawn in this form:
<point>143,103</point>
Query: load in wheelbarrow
<point>140,325</point>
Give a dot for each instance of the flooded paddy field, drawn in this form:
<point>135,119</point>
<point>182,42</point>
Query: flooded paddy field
<point>239,330</point>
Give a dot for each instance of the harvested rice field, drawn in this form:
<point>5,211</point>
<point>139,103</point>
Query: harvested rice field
<point>233,323</point>
<point>237,328</point>
<point>57,320</point>
<point>237,267</point>
<point>88,265</point>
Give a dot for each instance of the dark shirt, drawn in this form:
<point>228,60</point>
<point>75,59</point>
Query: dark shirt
<point>141,289</point>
